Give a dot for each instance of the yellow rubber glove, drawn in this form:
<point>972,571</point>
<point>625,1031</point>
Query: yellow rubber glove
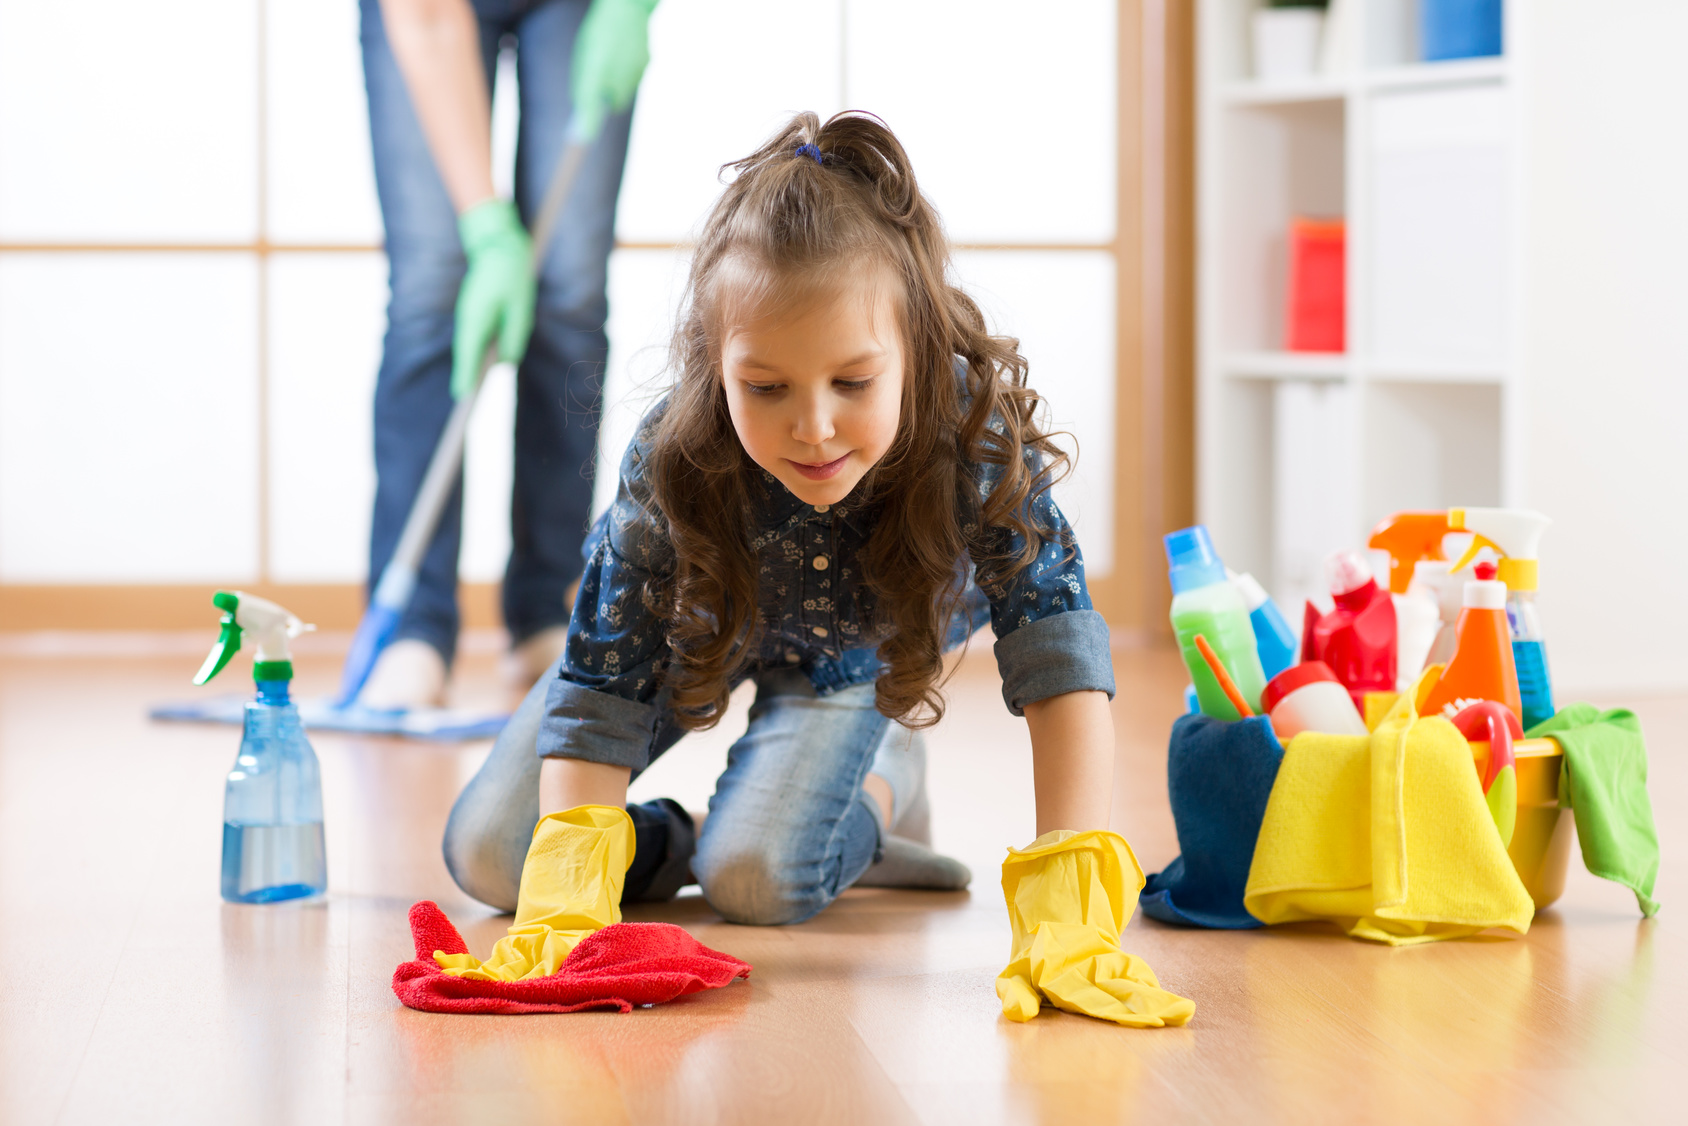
<point>571,886</point>
<point>1069,896</point>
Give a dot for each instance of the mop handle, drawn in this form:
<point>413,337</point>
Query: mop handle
<point>448,454</point>
<point>1226,684</point>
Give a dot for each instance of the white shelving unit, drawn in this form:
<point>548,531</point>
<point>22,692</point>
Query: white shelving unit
<point>1300,453</point>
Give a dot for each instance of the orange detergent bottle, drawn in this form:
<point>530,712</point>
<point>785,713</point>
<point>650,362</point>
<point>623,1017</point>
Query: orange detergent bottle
<point>1482,667</point>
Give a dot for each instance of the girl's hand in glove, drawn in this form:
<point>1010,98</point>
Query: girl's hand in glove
<point>1069,896</point>
<point>571,887</point>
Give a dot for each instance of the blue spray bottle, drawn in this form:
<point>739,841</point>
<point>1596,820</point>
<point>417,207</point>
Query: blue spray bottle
<point>272,804</point>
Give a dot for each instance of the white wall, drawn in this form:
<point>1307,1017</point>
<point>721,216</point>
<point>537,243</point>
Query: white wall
<point>130,391</point>
<point>1607,345</point>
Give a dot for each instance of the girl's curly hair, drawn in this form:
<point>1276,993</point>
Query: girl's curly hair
<point>813,204</point>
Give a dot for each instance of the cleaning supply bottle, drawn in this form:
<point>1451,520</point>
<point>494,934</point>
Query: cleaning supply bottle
<point>1273,639</point>
<point>1417,621</point>
<point>272,803</point>
<point>1409,538</point>
<point>1482,667</point>
<point>1433,581</point>
<point>1516,534</point>
<point>1357,638</point>
<point>1204,602</point>
<point>1308,697</point>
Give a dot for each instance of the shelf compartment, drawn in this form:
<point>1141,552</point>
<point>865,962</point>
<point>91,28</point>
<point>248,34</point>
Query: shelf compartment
<point>1438,168</point>
<point>1296,155</point>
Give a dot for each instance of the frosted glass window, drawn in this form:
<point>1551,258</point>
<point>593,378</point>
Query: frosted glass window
<point>122,121</point>
<point>1007,109</point>
<point>321,182</point>
<point>128,418</point>
<point>327,315</point>
<point>724,74</point>
<point>488,472</point>
<point>645,291</point>
<point>1060,304</point>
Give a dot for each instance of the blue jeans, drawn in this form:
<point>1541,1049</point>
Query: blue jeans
<point>559,383</point>
<point>789,826</point>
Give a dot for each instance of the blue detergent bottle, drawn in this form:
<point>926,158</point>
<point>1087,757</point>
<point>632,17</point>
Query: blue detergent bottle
<point>273,847</point>
<point>1277,644</point>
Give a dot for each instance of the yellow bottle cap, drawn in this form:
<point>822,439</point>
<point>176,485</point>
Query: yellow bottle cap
<point>1518,574</point>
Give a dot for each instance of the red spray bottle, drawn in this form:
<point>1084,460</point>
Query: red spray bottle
<point>1357,638</point>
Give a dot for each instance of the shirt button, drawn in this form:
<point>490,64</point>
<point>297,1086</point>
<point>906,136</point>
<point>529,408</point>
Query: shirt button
<point>822,562</point>
<point>818,631</point>
<point>791,657</point>
<point>822,507</point>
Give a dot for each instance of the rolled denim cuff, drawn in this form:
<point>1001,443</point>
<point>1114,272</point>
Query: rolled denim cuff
<point>1065,652</point>
<point>583,723</point>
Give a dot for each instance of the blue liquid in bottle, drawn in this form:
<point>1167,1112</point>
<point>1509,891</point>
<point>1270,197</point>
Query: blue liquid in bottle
<point>1535,683</point>
<point>272,807</point>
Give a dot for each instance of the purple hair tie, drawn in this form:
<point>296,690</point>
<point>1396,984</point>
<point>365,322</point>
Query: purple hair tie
<point>809,150</point>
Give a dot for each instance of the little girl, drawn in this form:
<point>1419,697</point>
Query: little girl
<point>845,481</point>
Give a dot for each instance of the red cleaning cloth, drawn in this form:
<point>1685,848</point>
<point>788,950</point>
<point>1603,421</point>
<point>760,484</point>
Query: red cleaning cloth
<point>620,966</point>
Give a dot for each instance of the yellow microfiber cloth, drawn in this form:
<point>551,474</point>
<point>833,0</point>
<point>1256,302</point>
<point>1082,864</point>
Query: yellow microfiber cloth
<point>1386,835</point>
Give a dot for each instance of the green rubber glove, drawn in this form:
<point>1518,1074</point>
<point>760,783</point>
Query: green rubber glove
<point>610,55</point>
<point>497,294</point>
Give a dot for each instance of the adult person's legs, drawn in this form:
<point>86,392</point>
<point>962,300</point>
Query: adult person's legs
<point>559,381</point>
<point>413,388</point>
<point>559,384</point>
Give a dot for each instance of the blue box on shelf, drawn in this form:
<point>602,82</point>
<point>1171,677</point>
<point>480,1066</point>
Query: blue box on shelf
<point>1460,29</point>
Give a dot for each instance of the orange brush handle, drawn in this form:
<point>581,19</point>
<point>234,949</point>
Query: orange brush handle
<point>1226,684</point>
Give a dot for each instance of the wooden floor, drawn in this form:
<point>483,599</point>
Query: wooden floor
<point>130,993</point>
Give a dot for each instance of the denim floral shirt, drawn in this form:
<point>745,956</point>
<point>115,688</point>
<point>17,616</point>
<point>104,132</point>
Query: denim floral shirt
<point>608,705</point>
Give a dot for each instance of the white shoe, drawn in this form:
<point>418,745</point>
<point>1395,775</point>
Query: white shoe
<point>533,658</point>
<point>408,675</point>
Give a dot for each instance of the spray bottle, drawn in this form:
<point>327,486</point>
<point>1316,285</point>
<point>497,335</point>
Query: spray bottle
<point>1409,537</point>
<point>1357,638</point>
<point>1204,602</point>
<point>1482,667</point>
<point>1273,639</point>
<point>1516,534</point>
<point>272,803</point>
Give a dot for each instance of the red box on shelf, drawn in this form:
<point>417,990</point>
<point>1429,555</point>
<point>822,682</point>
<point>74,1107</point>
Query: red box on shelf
<point>1318,303</point>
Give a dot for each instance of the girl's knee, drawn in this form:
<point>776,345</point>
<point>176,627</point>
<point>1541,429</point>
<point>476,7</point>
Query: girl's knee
<point>757,885</point>
<point>479,863</point>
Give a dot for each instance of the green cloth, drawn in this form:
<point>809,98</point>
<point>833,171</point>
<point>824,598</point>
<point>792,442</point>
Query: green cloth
<point>1603,778</point>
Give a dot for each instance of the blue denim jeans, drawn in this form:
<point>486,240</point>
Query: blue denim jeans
<point>789,826</point>
<point>558,384</point>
